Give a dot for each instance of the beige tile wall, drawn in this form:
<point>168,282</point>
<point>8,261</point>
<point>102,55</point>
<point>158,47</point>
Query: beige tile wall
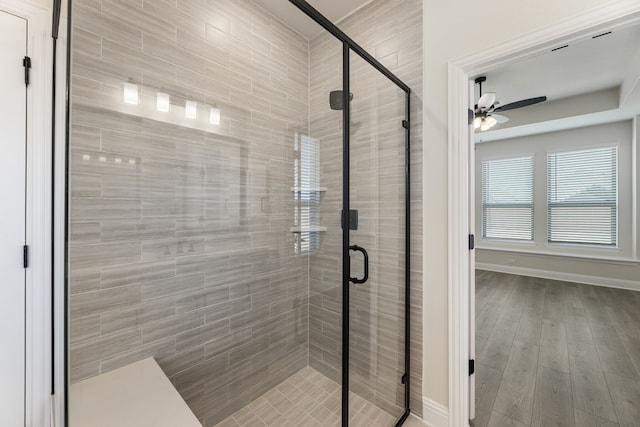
<point>391,30</point>
<point>180,241</point>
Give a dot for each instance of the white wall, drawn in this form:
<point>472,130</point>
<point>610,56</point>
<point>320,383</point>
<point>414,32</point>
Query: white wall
<point>510,257</point>
<point>624,275</point>
<point>594,102</point>
<point>611,134</point>
<point>454,29</point>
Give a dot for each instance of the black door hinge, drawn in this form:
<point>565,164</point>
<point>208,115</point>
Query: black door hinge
<point>472,242</point>
<point>471,116</point>
<point>26,63</point>
<point>353,219</point>
<point>405,124</point>
<point>404,379</point>
<point>472,367</point>
<point>25,256</point>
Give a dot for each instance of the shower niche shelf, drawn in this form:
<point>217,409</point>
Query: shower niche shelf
<point>309,189</point>
<point>314,229</point>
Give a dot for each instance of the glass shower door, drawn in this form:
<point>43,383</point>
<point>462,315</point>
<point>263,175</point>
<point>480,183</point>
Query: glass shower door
<point>377,242</point>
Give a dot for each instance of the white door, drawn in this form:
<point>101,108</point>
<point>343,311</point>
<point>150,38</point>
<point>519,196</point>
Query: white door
<point>13,146</point>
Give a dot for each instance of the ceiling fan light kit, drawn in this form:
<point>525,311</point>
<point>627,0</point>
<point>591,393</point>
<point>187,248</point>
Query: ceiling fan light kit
<point>477,122</point>
<point>487,104</point>
<point>488,123</point>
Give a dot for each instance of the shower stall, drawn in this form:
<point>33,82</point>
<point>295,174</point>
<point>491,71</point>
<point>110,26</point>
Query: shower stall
<point>239,211</point>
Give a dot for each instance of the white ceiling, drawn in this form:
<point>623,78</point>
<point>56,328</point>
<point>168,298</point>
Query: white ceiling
<point>334,10</point>
<point>574,80</point>
<point>587,65</point>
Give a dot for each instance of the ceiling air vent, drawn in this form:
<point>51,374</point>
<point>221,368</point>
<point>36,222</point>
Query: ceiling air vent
<point>558,48</point>
<point>600,35</point>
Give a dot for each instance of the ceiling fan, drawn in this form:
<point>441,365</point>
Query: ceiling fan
<point>484,117</point>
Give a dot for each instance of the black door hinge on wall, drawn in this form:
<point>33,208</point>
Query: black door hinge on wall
<point>471,116</point>
<point>472,242</point>
<point>405,124</point>
<point>472,367</point>
<point>25,256</point>
<point>26,63</point>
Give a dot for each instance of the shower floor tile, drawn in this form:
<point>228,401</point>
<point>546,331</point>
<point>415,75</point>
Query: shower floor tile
<point>307,399</point>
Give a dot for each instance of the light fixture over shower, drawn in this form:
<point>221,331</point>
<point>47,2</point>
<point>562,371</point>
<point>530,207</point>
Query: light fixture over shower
<point>214,115</point>
<point>163,102</point>
<point>191,110</point>
<point>130,93</point>
<point>200,115</point>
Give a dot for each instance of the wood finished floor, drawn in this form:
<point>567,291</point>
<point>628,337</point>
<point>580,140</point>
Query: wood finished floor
<point>551,353</point>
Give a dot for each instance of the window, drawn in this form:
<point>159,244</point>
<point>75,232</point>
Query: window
<point>306,193</point>
<point>582,202</point>
<point>584,193</point>
<point>507,198</point>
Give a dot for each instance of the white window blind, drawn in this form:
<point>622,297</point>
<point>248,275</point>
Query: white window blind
<point>582,196</point>
<point>306,193</point>
<point>507,198</point>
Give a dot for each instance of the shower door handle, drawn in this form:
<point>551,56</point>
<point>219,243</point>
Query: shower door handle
<point>366,264</point>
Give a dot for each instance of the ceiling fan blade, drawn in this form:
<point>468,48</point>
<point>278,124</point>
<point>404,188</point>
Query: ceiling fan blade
<point>500,118</point>
<point>521,103</point>
<point>486,100</point>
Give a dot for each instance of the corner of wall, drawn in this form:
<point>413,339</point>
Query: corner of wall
<point>434,414</point>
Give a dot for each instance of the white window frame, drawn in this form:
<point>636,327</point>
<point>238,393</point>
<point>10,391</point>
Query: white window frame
<point>619,134</point>
<point>616,203</point>
<point>306,192</point>
<point>482,204</point>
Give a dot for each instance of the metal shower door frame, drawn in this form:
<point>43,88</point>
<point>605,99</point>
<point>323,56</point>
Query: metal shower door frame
<point>348,46</point>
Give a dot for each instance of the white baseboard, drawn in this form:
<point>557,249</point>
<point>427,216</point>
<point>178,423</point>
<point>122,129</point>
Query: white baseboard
<point>434,414</point>
<point>558,275</point>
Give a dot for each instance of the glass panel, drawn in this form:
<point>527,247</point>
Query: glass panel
<point>197,200</point>
<point>325,263</point>
<point>377,191</point>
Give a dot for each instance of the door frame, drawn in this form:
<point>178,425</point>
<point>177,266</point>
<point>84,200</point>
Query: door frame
<point>38,339</point>
<point>460,157</point>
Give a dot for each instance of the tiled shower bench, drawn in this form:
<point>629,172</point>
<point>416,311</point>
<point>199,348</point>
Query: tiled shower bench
<point>137,395</point>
